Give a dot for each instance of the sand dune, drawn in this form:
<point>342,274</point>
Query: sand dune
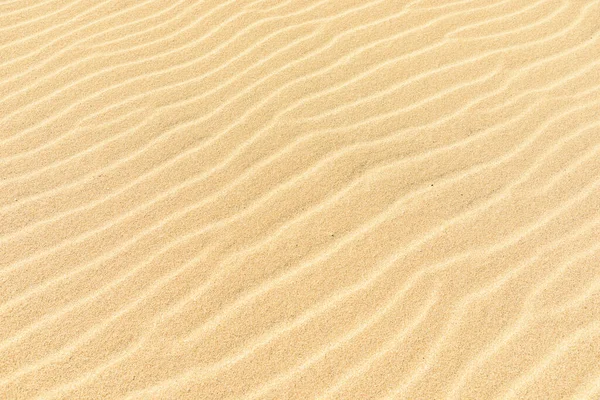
<point>300,199</point>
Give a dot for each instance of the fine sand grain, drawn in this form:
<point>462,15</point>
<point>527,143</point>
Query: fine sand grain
<point>299,199</point>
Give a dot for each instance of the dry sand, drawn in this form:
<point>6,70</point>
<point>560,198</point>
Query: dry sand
<point>300,199</point>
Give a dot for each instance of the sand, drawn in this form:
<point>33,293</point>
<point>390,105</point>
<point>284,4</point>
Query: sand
<point>300,199</point>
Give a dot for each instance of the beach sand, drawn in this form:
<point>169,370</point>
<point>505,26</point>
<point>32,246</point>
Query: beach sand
<point>300,199</point>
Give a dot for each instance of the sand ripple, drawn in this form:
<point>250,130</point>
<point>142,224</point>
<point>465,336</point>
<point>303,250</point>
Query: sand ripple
<point>300,199</point>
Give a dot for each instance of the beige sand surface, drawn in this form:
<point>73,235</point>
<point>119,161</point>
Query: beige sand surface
<point>300,199</point>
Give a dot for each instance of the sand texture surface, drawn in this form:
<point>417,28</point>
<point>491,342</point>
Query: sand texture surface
<point>299,199</point>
